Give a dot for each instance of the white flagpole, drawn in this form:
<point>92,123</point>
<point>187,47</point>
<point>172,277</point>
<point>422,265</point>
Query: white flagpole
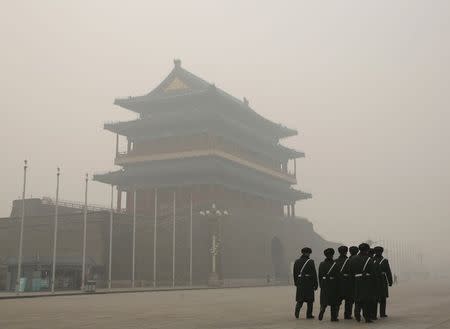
<point>83,266</point>
<point>110,236</point>
<point>385,247</point>
<point>154,238</point>
<point>214,252</point>
<point>19,260</point>
<point>55,232</point>
<point>134,239</point>
<point>395,256</point>
<point>173,240</point>
<point>401,255</point>
<point>190,242</point>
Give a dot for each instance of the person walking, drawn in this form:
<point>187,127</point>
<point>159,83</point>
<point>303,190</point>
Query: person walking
<point>353,250</point>
<point>328,282</point>
<point>305,280</point>
<point>345,282</point>
<point>385,280</point>
<point>375,287</point>
<point>362,269</point>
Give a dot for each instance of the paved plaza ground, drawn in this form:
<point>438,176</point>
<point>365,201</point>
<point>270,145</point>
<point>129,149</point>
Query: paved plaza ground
<point>413,305</point>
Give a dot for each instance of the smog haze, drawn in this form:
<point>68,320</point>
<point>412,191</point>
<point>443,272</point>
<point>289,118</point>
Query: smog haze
<point>366,84</point>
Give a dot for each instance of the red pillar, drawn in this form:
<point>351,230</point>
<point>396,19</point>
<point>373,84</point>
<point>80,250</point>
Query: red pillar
<point>119,199</point>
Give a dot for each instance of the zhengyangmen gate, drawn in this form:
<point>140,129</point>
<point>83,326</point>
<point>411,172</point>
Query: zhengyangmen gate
<point>207,181</point>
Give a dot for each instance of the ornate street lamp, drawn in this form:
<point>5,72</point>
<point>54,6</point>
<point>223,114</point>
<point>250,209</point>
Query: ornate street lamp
<point>214,215</point>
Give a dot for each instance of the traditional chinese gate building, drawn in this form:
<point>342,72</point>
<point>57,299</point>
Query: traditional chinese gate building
<point>192,146</point>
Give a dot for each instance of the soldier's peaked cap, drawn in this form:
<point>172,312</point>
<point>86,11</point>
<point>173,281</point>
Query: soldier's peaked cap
<point>378,250</point>
<point>328,252</point>
<point>364,247</point>
<point>306,250</point>
<point>343,249</point>
<point>354,250</point>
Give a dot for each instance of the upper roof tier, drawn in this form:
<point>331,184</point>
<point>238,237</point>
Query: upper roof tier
<point>181,87</point>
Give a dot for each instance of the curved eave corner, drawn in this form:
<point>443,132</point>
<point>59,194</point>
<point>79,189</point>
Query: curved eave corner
<point>108,178</point>
<point>127,103</point>
<point>304,195</point>
<point>287,132</point>
<point>292,153</point>
<point>112,127</point>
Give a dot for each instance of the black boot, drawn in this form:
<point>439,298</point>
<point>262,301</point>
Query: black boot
<point>358,312</point>
<point>375,310</point>
<point>367,312</point>
<point>298,307</point>
<point>383,309</point>
<point>309,310</point>
<point>322,311</point>
<point>348,310</point>
<point>334,313</point>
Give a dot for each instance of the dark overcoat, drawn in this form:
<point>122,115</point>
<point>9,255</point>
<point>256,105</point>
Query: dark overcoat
<point>345,279</point>
<point>385,279</point>
<point>376,280</point>
<point>305,280</point>
<point>362,269</point>
<point>328,281</point>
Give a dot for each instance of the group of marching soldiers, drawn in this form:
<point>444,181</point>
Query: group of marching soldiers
<point>360,280</point>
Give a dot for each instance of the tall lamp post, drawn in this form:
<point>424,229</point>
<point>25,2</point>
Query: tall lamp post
<point>19,260</point>
<point>111,214</point>
<point>55,232</point>
<point>213,216</point>
<point>83,266</point>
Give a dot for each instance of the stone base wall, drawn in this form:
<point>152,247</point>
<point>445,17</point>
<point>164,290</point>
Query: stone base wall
<point>256,244</point>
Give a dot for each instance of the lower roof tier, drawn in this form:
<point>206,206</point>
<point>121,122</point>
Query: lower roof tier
<point>208,170</point>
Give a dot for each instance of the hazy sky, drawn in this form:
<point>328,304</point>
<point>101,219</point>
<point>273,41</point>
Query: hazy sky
<point>366,83</point>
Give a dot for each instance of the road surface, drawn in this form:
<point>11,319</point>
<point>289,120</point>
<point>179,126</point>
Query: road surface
<point>412,305</point>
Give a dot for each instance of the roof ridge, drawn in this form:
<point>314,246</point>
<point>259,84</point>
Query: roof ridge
<point>196,77</point>
<point>193,85</point>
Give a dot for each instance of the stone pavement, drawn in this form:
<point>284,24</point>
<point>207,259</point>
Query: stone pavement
<point>13,295</point>
<point>424,305</point>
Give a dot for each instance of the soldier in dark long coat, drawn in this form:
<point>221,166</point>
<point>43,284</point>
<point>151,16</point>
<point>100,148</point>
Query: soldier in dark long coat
<point>362,269</point>
<point>385,280</point>
<point>376,282</point>
<point>305,279</point>
<point>345,282</point>
<point>328,282</point>
<point>354,250</point>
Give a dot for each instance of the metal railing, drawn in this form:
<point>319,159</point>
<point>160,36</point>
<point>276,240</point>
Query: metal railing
<point>74,204</point>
